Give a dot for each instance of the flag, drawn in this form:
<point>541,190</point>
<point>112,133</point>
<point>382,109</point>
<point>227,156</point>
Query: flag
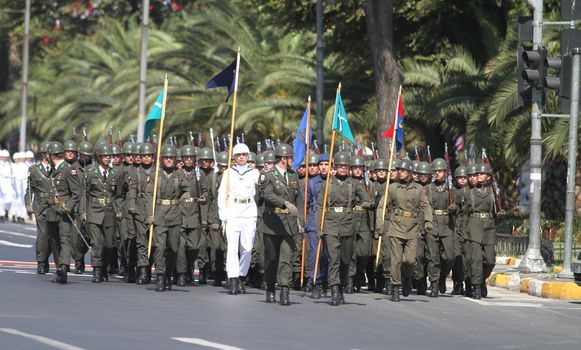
<point>340,122</point>
<point>300,142</point>
<point>459,144</point>
<point>224,78</point>
<point>397,126</point>
<point>153,116</point>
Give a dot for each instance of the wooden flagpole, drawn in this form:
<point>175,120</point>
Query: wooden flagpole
<point>159,142</point>
<point>386,194</point>
<point>307,142</point>
<point>327,181</point>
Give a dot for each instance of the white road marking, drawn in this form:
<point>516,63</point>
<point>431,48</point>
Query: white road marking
<point>18,245</point>
<point>40,339</point>
<point>207,343</point>
<point>18,234</point>
<point>30,228</point>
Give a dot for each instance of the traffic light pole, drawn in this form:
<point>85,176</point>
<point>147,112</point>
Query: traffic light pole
<point>572,162</point>
<point>532,260</point>
<point>24,92</point>
<point>142,71</point>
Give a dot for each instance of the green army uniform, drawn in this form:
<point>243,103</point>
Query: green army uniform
<point>406,199</point>
<point>339,226</point>
<point>280,191</point>
<point>421,268</point>
<point>63,198</point>
<point>128,228</point>
<point>256,271</point>
<point>205,263</point>
<point>118,263</point>
<point>98,208</point>
<point>440,241</point>
<point>471,169</point>
<point>378,276</point>
<point>459,270</point>
<point>36,201</point>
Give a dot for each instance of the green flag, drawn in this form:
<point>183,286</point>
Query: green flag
<point>340,122</point>
<point>153,116</point>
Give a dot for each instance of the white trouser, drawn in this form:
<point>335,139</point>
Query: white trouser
<point>240,235</point>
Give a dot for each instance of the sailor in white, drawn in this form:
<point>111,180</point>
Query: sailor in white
<point>6,183</point>
<point>238,213</point>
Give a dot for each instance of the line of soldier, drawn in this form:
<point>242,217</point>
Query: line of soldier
<point>106,207</point>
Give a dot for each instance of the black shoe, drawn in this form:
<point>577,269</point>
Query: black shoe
<point>181,280</point>
<point>188,276</point>
<point>104,275</point>
<point>341,296</point>
<point>241,285</point>
<point>160,284</point>
<point>406,290</point>
<point>40,268</point>
<point>270,297</point>
<point>395,294</point>
<point>308,286</point>
<point>296,281</point>
<point>46,267</point>
<point>233,283</point>
<point>335,296</point>
<point>380,285</point>
<point>349,289</point>
<point>112,270</point>
<point>203,278</point>
<point>142,275</point>
<point>284,296</point>
<point>483,290</point>
<point>97,275</point>
<point>442,285</point>
<point>433,290</point>
<point>79,267</point>
<point>168,282</point>
<point>457,289</point>
<point>476,292</point>
<point>61,275</point>
<point>422,286</point>
<point>122,269</point>
<point>468,288</point>
<point>317,290</point>
<point>130,276</point>
<point>371,284</point>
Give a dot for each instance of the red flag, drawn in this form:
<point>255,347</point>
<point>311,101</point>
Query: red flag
<point>396,127</point>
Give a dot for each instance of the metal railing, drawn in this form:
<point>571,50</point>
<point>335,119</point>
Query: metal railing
<point>507,244</point>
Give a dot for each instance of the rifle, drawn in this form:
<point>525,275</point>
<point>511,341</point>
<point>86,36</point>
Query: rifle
<point>85,137</point>
<point>373,155</point>
<point>429,154</point>
<point>449,170</point>
<point>242,138</point>
<point>237,139</point>
<point>417,154</point>
<point>225,142</point>
<point>132,138</point>
<point>119,140</point>
<point>495,188</point>
<point>342,145</point>
<point>200,140</point>
<point>217,144</point>
<point>258,147</point>
<point>75,134</point>
<point>110,136</point>
<point>317,149</point>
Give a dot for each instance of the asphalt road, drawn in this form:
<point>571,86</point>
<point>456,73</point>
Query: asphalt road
<point>36,314</point>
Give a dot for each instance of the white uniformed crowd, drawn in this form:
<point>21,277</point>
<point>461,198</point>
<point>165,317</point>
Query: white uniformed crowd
<point>13,179</point>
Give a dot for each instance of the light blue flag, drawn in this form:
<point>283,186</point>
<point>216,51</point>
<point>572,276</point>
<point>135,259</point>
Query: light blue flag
<point>340,122</point>
<point>299,144</point>
<point>153,116</point>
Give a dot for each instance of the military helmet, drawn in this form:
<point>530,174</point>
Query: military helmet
<point>424,168</point>
<point>188,150</point>
<point>70,145</point>
<point>116,149</point>
<point>472,169</point>
<point>44,146</point>
<point>252,157</point>
<point>342,158</point>
<point>484,168</point>
<point>313,159</point>
<point>381,164</point>
<point>206,153</point>
<point>405,164</point>
<point>99,143</point>
<point>222,158</point>
<point>55,147</point>
<point>197,151</point>
<point>369,164</point>
<point>283,150</point>
<point>129,148</point>
<point>168,151</point>
<point>104,150</point>
<point>439,164</point>
<point>269,157</point>
<point>357,161</point>
<point>395,164</point>
<point>415,165</point>
<point>260,160</point>
<point>86,148</point>
<point>460,171</point>
<point>146,149</point>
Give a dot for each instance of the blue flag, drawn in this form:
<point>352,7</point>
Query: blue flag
<point>340,122</point>
<point>299,144</point>
<point>224,78</point>
<point>153,116</point>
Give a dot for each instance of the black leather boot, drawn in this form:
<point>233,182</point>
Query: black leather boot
<point>142,278</point>
<point>457,289</point>
<point>349,289</point>
<point>203,278</point>
<point>296,280</point>
<point>160,284</point>
<point>284,296</point>
<point>122,268</point>
<point>61,275</point>
<point>242,285</point>
<point>335,296</point>
<point>96,274</point>
<point>40,268</point>
<point>406,289</point>
<point>317,290</point>
<point>79,267</point>
<point>380,285</point>
<point>148,274</point>
<point>46,266</point>
<point>476,292</point>
<point>371,284</point>
<point>341,296</point>
<point>394,293</point>
<point>104,275</point>
<point>422,286</point>
<point>181,280</point>
<point>168,284</point>
<point>233,282</point>
<point>433,289</point>
<point>308,286</point>
<point>483,290</point>
<point>468,288</point>
<point>270,297</point>
<point>130,276</point>
<point>442,285</point>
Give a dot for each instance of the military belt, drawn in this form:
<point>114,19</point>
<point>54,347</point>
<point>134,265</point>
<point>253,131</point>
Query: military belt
<point>405,213</point>
<point>358,208</point>
<point>440,212</point>
<point>41,194</point>
<point>101,201</point>
<point>188,200</point>
<point>167,201</point>
<point>281,211</point>
<point>481,215</point>
<point>57,200</point>
<point>242,200</point>
<point>338,210</point>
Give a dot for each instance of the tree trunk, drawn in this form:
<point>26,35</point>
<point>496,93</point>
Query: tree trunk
<point>387,75</point>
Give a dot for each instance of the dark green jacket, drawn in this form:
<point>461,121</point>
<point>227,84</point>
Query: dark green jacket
<point>66,189</point>
<point>274,192</point>
<point>440,200</point>
<point>191,208</point>
<point>38,189</point>
<point>406,197</point>
<point>480,199</point>
<point>95,188</point>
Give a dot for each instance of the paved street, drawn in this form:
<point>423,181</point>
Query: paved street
<point>36,314</point>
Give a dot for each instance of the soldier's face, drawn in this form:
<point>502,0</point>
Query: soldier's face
<point>221,168</point>
<point>146,159</point>
<point>70,156</point>
<point>342,169</point>
<point>168,162</point>
<point>116,159</point>
<point>189,161</point>
<point>423,178</point>
<point>462,181</point>
<point>313,169</point>
<point>128,158</point>
<point>302,170</point>
<point>268,166</point>
<point>252,165</point>
<point>372,175</point>
<point>104,160</point>
<point>206,164</point>
<point>333,171</point>
<point>324,167</point>
<point>381,173</point>
<point>416,177</point>
<point>85,158</point>
<point>393,175</point>
<point>440,175</point>
<point>137,159</point>
<point>473,180</point>
<point>483,178</point>
<point>357,171</point>
<point>404,174</point>
<point>241,158</point>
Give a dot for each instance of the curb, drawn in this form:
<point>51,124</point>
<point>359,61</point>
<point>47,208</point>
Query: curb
<point>536,287</point>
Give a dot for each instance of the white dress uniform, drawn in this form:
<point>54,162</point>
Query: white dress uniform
<point>6,185</point>
<point>20,180</point>
<point>239,215</point>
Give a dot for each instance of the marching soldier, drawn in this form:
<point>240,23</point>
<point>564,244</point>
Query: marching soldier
<point>64,197</point>
<point>338,231</point>
<point>313,173</point>
<point>315,185</point>
<point>128,229</point>
<point>280,190</point>
<point>36,202</point>
<point>459,195</point>
<point>98,209</point>
<point>78,247</point>
<point>378,276</point>
<point>118,263</point>
<point>424,174</point>
<point>205,262</point>
<point>472,175</point>
<point>406,199</point>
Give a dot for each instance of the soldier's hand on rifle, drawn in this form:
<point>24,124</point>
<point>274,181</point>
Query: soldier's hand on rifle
<point>378,233</point>
<point>291,208</point>
<point>150,220</point>
<point>202,200</point>
<point>501,214</point>
<point>367,205</point>
<point>320,234</point>
<point>215,226</point>
<point>131,211</point>
<point>452,208</point>
<point>29,210</point>
<point>83,218</point>
<point>429,226</point>
<point>64,210</point>
<point>186,195</point>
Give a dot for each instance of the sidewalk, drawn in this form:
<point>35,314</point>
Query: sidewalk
<point>545,285</point>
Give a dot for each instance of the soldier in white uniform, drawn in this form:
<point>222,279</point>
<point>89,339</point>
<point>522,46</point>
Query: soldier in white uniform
<point>238,213</point>
<point>6,190</point>
<point>19,182</point>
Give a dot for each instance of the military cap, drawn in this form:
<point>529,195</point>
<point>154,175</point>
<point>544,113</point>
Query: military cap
<point>269,157</point>
<point>283,150</point>
<point>222,158</point>
<point>260,160</point>
<point>415,165</point>
<point>116,149</point>
<point>313,158</point>
<point>146,149</point>
<point>70,145</point>
<point>129,148</point>
<point>104,150</point>
<point>381,164</point>
<point>324,157</point>
<point>44,146</point>
<point>342,158</point>
<point>252,157</point>
<point>86,148</point>
<point>460,171</point>
<point>188,150</point>
<point>357,161</point>
<point>472,169</point>
<point>439,164</point>
<point>206,153</point>
<point>405,164</point>
<point>484,168</point>
<point>55,147</point>
<point>168,151</point>
<point>424,168</point>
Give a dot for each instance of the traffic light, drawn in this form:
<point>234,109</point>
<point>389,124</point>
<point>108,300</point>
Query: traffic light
<point>524,88</point>
<point>570,10</point>
<point>552,64</point>
<point>534,70</point>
